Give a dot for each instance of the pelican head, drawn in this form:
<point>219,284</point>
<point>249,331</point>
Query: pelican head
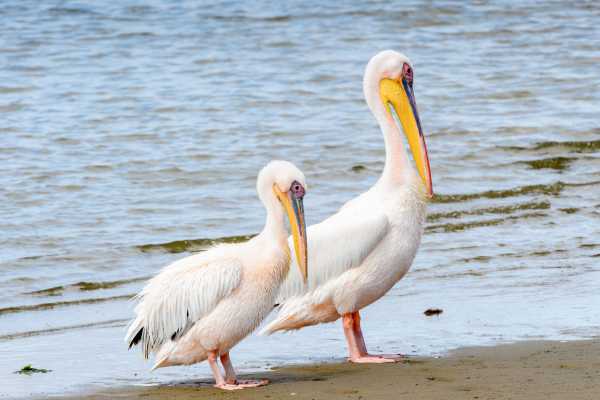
<point>391,74</point>
<point>289,185</point>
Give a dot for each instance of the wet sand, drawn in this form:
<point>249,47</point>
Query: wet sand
<point>525,370</point>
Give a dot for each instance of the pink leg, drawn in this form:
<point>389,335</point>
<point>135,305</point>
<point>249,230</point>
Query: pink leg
<point>212,361</point>
<point>232,377</point>
<point>355,355</point>
<point>360,340</point>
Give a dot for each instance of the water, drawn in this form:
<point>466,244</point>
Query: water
<point>132,135</point>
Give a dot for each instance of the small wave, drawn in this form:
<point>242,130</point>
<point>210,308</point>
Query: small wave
<point>544,205</point>
<point>135,34</point>
<point>482,259</point>
<point>180,246</point>
<point>66,328</point>
<point>282,44</point>
<point>241,18</point>
<point>17,89</point>
<point>447,228</point>
<point>85,286</point>
<point>325,78</point>
<point>12,107</point>
<point>46,306</point>
<point>552,163</point>
<point>508,95</point>
<point>576,147</point>
<point>590,146</point>
<point>98,168</point>
<point>571,210</point>
<point>22,280</point>
<point>212,60</point>
<point>551,189</point>
<point>64,10</point>
<point>169,110</point>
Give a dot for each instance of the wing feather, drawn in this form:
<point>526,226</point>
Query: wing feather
<point>181,294</point>
<point>336,245</point>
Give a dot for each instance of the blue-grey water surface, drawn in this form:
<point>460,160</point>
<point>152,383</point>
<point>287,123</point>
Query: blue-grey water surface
<point>132,134</point>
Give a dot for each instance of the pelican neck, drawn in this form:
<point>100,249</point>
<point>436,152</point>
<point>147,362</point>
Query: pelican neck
<point>398,169</point>
<point>275,224</point>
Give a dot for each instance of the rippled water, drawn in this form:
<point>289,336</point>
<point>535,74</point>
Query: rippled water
<point>132,135</point>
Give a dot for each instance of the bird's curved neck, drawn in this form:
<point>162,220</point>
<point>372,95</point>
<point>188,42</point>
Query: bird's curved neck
<point>275,225</point>
<point>397,164</point>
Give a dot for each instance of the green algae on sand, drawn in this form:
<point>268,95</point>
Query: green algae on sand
<point>28,370</point>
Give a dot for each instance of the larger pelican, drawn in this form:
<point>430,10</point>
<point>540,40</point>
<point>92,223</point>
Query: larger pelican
<point>201,306</point>
<point>358,254</point>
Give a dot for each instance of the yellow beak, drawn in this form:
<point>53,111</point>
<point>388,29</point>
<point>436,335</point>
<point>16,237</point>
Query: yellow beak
<point>399,94</point>
<point>295,212</point>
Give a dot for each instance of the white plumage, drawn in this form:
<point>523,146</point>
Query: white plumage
<point>201,306</point>
<point>334,243</point>
<point>358,254</point>
<point>182,293</point>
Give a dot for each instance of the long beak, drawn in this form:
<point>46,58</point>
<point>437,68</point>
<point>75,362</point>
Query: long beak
<point>400,95</point>
<point>295,212</point>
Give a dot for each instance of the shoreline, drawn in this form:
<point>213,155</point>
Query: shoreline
<point>523,370</point>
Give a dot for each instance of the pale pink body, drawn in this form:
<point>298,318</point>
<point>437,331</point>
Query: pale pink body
<point>357,255</point>
<point>201,306</point>
<point>384,266</point>
<point>263,270</point>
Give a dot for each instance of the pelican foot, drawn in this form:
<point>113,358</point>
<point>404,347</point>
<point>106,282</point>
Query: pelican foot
<point>370,360</point>
<point>385,355</point>
<point>238,385</point>
<point>228,386</point>
<point>252,383</point>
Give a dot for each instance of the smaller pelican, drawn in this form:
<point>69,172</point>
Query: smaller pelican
<point>201,306</point>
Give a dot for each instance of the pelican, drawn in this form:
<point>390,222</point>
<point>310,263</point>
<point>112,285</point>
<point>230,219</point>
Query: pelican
<point>199,307</point>
<point>357,255</point>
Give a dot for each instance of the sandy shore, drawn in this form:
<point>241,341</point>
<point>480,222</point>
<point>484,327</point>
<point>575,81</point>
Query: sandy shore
<point>525,370</point>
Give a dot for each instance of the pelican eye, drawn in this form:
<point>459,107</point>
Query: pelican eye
<point>297,189</point>
<point>407,72</point>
